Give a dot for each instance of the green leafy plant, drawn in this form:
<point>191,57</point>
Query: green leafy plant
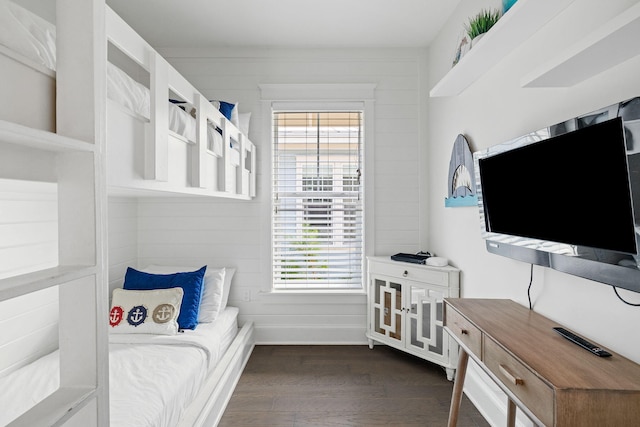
<point>482,22</point>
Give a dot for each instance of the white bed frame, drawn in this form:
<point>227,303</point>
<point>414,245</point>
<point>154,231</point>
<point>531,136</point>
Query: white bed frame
<point>33,103</point>
<point>143,158</point>
<point>208,407</point>
<point>167,161</point>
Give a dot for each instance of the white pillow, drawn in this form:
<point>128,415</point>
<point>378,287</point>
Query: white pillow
<point>235,115</point>
<point>227,287</point>
<point>245,118</point>
<point>217,280</point>
<point>212,294</point>
<point>145,312</point>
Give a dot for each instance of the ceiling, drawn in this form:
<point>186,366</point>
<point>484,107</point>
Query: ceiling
<point>286,23</point>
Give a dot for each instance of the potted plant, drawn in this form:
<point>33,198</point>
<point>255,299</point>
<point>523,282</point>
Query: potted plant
<point>481,23</point>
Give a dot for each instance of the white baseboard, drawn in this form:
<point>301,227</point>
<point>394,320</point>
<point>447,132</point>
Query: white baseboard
<point>309,335</point>
<point>490,401</point>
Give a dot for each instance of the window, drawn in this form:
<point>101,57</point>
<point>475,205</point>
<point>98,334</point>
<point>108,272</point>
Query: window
<point>317,219</point>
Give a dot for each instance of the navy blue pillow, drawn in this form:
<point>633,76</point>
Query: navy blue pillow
<point>190,282</point>
<point>226,109</point>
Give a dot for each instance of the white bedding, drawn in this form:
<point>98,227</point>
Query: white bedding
<point>134,96</point>
<point>152,378</point>
<point>27,34</point>
<point>34,38</point>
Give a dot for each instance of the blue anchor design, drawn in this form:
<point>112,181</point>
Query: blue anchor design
<point>137,315</point>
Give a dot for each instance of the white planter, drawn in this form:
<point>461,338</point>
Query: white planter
<point>477,39</point>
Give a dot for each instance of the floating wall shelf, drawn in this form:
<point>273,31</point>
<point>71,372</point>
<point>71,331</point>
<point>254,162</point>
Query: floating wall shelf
<point>613,43</point>
<point>524,19</point>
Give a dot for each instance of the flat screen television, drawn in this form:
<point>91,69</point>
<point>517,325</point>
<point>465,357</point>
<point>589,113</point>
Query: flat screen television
<point>563,197</point>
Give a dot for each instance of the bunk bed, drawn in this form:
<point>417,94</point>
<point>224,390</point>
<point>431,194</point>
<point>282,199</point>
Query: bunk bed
<point>217,159</point>
<point>162,137</point>
<point>163,134</point>
<point>154,379</point>
<point>160,376</point>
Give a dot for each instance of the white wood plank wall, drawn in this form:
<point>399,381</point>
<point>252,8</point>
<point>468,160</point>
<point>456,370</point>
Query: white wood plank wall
<point>28,242</point>
<point>123,238</point>
<point>236,233</point>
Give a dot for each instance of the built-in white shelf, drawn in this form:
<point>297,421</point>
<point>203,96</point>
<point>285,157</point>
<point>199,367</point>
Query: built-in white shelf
<point>17,134</point>
<point>57,408</point>
<point>23,284</point>
<point>611,44</point>
<point>524,19</point>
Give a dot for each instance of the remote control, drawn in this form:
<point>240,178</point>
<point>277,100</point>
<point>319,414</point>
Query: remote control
<point>582,342</point>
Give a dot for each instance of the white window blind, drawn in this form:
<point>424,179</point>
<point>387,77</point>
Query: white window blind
<point>317,220</point>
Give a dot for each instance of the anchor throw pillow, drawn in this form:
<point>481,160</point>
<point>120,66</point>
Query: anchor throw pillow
<point>145,312</point>
<point>190,282</point>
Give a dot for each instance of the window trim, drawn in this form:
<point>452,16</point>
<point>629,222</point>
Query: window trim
<point>314,96</point>
<point>309,250</point>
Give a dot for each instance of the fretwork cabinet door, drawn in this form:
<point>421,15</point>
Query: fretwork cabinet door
<point>405,309</point>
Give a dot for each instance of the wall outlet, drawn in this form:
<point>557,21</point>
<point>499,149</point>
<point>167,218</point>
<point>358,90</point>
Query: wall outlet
<point>246,295</point>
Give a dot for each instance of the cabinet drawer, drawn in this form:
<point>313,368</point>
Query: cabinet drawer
<point>410,272</point>
<point>534,393</point>
<point>464,330</point>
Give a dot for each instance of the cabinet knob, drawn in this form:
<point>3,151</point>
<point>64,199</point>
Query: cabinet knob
<point>464,331</point>
<point>405,274</point>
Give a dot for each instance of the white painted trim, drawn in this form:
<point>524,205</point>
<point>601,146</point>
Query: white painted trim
<point>316,105</point>
<point>319,94</point>
<point>310,335</point>
<point>267,206</point>
<point>208,406</point>
<point>330,296</point>
<point>27,61</point>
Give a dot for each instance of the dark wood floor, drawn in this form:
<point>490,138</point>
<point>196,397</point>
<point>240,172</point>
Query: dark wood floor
<point>303,386</point>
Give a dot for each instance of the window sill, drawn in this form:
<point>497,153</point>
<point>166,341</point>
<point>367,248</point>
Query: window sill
<point>305,292</point>
<point>315,296</point>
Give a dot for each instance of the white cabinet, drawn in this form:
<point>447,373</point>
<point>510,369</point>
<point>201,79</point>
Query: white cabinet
<point>405,309</point>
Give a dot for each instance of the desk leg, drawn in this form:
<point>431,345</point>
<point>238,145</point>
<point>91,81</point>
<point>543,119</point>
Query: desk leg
<point>511,413</point>
<point>456,397</point>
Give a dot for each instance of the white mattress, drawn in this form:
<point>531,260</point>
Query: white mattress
<point>152,378</point>
<point>34,38</point>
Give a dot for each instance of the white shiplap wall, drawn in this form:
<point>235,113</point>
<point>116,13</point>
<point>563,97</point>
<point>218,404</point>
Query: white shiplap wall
<point>222,232</point>
<point>123,238</point>
<point>494,109</point>
<point>28,242</point>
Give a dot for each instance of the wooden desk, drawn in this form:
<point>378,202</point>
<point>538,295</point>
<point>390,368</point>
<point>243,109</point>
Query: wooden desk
<point>555,382</point>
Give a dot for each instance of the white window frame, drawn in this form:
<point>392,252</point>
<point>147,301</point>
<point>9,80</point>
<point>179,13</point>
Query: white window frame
<point>314,97</point>
<point>309,250</point>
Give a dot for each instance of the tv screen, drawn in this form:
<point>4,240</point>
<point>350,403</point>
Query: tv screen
<point>572,188</point>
